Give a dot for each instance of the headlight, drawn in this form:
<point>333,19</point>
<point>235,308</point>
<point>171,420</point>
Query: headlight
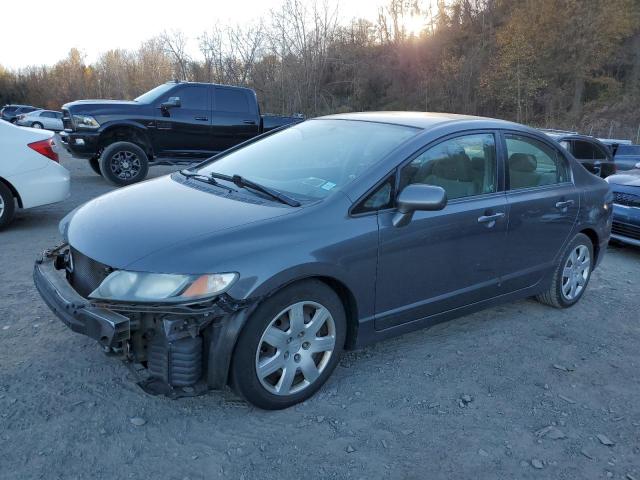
<point>85,121</point>
<point>161,287</point>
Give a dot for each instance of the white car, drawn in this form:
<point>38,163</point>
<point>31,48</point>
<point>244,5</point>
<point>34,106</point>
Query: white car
<point>49,119</point>
<point>30,174</point>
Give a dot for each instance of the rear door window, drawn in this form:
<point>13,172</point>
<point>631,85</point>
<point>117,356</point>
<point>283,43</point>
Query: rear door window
<point>587,151</point>
<point>230,100</point>
<point>532,163</point>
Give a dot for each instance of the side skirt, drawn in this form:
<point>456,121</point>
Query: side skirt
<point>367,333</point>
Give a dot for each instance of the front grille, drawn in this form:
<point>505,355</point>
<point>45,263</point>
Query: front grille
<point>627,199</point>
<point>66,120</point>
<point>626,230</point>
<point>87,274</point>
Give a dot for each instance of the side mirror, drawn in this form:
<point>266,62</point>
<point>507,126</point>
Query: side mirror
<point>172,102</point>
<point>418,197</point>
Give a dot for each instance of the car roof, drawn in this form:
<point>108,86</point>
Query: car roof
<point>182,82</point>
<point>427,120</point>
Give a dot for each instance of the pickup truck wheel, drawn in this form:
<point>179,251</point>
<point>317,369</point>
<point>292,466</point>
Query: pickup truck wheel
<point>94,163</point>
<point>7,206</point>
<point>289,346</point>
<point>124,163</point>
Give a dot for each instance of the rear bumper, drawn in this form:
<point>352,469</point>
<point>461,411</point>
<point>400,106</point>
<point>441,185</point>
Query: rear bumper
<point>81,144</point>
<point>107,327</point>
<point>43,186</point>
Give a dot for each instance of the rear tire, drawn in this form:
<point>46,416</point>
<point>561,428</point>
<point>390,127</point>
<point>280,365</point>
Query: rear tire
<point>289,346</point>
<point>7,206</point>
<point>572,274</point>
<point>36,125</point>
<point>124,163</point>
<point>94,163</point>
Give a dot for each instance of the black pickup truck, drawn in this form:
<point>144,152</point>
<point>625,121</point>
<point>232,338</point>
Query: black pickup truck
<point>173,123</point>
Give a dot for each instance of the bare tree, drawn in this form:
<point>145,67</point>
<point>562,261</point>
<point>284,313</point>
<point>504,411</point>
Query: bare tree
<point>175,44</point>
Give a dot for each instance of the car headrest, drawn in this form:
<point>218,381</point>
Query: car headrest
<point>457,167</point>
<point>523,162</point>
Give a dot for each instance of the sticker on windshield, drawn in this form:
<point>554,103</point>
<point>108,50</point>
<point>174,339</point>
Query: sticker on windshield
<point>328,185</point>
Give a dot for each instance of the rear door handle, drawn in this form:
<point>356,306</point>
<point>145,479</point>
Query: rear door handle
<point>564,204</point>
<point>490,218</point>
<point>249,122</point>
<point>203,119</point>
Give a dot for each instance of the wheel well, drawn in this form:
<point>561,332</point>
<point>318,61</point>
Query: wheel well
<point>13,191</point>
<point>350,307</point>
<point>126,134</point>
<point>593,236</point>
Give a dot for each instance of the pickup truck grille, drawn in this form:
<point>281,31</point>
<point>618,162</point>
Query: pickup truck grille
<point>628,199</point>
<point>67,123</point>
<point>87,274</point>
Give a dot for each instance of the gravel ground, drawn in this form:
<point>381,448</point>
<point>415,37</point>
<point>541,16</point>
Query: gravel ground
<point>518,391</point>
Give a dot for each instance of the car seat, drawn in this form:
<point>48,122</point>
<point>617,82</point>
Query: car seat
<point>522,171</point>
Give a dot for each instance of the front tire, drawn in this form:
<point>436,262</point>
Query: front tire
<point>572,274</point>
<point>124,163</point>
<point>94,163</point>
<point>36,125</point>
<point>289,346</point>
<point>7,206</point>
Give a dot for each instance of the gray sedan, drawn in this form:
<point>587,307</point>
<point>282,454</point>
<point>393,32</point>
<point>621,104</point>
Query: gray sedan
<point>47,119</point>
<point>258,267</point>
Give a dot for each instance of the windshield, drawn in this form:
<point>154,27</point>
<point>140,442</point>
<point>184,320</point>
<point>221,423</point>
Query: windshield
<point>154,93</point>
<point>313,158</point>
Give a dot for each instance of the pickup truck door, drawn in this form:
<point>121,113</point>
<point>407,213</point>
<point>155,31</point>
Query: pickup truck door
<point>235,117</point>
<point>184,129</point>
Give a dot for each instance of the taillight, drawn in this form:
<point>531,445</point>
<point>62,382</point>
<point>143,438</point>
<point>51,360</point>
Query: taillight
<point>45,147</point>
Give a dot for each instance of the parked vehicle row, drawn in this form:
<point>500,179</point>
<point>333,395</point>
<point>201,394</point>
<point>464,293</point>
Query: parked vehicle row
<point>176,120</point>
<point>257,268</point>
<point>46,119</point>
<point>30,174</point>
<point>10,113</point>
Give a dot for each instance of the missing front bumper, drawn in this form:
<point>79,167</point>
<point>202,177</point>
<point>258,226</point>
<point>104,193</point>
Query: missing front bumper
<point>109,328</point>
<point>186,348</point>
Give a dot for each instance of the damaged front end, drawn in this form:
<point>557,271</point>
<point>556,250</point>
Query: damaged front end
<point>176,349</point>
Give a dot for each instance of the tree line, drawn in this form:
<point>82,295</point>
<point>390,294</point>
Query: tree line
<point>553,63</point>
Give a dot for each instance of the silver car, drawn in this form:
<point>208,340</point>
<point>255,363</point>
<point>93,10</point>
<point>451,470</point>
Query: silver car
<point>48,119</point>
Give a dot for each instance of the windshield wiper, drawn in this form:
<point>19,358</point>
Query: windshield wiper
<point>204,178</point>
<point>242,182</point>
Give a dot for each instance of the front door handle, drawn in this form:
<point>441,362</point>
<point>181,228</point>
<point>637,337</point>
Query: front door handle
<point>490,218</point>
<point>203,119</point>
<point>564,204</point>
<point>249,122</point>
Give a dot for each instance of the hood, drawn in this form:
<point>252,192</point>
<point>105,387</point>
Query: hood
<point>629,178</point>
<point>93,105</point>
<point>128,224</point>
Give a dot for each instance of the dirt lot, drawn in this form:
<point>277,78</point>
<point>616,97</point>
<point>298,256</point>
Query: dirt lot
<point>467,399</point>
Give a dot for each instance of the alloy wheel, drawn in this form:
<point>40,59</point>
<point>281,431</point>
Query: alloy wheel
<point>1,207</point>
<point>295,348</point>
<point>576,272</point>
<point>125,165</point>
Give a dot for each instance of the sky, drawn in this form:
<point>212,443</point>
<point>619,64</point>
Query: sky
<point>41,32</point>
